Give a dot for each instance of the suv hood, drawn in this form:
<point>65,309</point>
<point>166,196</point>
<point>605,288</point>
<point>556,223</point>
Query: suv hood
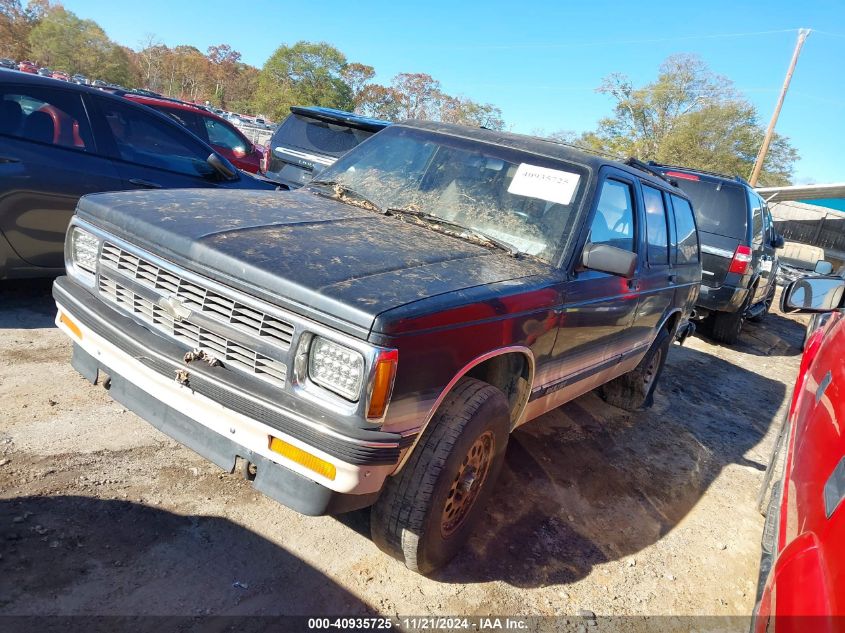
<point>335,263</point>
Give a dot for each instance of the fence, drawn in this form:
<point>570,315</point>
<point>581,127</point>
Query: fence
<point>256,135</point>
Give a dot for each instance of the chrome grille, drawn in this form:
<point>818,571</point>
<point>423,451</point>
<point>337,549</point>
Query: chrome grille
<point>210,303</point>
<point>227,351</point>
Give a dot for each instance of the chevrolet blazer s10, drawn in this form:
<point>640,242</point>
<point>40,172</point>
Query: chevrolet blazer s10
<point>373,338</point>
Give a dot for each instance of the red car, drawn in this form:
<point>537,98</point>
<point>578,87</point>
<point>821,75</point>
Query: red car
<point>217,132</point>
<point>62,76</point>
<point>28,67</point>
<point>803,564</point>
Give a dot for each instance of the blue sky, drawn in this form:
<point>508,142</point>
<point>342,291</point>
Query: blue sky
<point>540,62</point>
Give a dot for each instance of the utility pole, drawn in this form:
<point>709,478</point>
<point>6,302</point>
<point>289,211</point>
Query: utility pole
<point>767,140</point>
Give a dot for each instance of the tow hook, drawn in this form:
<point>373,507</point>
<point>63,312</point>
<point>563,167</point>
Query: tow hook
<point>246,468</point>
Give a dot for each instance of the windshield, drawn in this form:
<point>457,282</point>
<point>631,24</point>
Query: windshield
<point>719,207</point>
<point>321,137</point>
<point>524,200</point>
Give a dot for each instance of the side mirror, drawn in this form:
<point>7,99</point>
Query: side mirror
<point>813,294</point>
<point>609,259</point>
<point>221,166</point>
<point>823,267</point>
<point>777,241</point>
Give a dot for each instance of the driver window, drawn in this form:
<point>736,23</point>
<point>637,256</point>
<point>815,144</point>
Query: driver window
<point>613,223</point>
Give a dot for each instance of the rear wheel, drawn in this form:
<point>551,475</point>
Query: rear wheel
<point>635,390</point>
<point>426,512</point>
<point>726,326</point>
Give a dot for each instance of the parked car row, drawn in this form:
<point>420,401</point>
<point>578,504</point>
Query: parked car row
<point>508,274</point>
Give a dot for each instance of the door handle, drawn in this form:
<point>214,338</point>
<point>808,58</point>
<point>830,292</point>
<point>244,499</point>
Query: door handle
<point>140,182</point>
<point>673,278</point>
<point>9,159</point>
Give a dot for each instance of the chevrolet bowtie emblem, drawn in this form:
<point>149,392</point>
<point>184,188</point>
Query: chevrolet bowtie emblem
<point>174,308</point>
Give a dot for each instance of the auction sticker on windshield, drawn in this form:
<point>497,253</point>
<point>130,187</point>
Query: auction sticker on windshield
<point>547,184</point>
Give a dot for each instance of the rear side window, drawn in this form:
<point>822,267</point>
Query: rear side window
<point>316,136</point>
<point>719,207</point>
<point>613,223</point>
<point>656,229</point>
<point>52,117</point>
<point>685,228</point>
<point>145,140</point>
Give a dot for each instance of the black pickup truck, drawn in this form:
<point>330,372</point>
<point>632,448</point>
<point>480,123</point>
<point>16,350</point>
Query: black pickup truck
<point>373,338</point>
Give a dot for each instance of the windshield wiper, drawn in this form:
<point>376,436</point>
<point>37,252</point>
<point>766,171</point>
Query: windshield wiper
<point>346,194</point>
<point>459,229</point>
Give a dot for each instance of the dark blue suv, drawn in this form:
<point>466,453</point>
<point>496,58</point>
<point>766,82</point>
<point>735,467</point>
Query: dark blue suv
<point>60,141</point>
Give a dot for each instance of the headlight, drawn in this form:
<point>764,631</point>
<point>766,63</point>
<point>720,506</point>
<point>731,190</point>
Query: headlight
<point>83,249</point>
<point>337,368</point>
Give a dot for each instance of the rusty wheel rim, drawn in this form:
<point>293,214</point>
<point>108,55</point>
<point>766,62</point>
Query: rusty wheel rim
<point>468,482</point>
<point>650,371</point>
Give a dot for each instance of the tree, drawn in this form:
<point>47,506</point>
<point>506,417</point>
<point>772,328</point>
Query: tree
<point>223,60</point>
<point>63,41</point>
<point>688,116</point>
<point>306,73</point>
<point>420,96</point>
<point>468,112</point>
<point>16,23</point>
<point>356,76</point>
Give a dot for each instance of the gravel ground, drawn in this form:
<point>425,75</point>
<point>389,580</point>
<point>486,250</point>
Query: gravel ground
<point>650,513</point>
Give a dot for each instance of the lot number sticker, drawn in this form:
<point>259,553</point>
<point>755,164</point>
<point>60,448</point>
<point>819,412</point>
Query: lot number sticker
<point>551,185</point>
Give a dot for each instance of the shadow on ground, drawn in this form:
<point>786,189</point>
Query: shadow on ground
<point>589,483</point>
<point>776,335</point>
<point>26,304</point>
<point>90,556</point>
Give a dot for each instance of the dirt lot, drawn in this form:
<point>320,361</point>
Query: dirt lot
<point>647,513</point>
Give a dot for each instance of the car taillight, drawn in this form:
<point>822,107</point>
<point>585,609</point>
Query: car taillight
<point>741,259</point>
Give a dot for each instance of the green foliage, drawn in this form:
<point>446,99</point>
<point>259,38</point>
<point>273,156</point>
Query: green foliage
<point>688,116</point>
<point>306,73</point>
<point>62,41</point>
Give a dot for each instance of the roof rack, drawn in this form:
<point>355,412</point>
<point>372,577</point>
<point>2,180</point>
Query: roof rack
<point>700,171</point>
<point>649,169</point>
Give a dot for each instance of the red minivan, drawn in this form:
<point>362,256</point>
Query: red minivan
<point>802,570</point>
<point>217,132</point>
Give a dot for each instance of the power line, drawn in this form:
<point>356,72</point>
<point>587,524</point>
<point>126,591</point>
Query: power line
<point>682,38</point>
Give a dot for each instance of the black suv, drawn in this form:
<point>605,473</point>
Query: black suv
<point>738,249</point>
<point>372,338</point>
<point>310,139</point>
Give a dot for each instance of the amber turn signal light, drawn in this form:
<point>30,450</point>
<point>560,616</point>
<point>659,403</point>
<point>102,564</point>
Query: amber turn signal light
<point>73,327</point>
<point>303,458</point>
<point>383,377</point>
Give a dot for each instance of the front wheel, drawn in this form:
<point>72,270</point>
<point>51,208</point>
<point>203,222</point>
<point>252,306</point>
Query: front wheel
<point>635,390</point>
<point>426,512</point>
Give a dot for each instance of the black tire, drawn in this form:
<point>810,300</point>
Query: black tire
<point>409,520</point>
<point>767,305</point>
<point>726,326</point>
<point>635,390</point>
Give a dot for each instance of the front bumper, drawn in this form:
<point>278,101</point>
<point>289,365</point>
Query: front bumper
<point>216,419</point>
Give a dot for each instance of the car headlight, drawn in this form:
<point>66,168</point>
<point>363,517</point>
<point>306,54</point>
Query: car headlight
<point>336,368</point>
<point>84,248</point>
